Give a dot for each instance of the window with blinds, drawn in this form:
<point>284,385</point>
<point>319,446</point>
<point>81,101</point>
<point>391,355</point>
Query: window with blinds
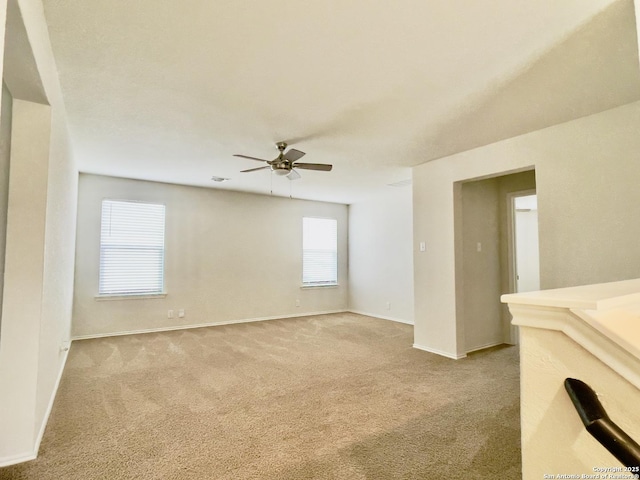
<point>131,248</point>
<point>319,251</point>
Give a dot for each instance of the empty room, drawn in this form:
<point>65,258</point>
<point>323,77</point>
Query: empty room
<point>270,239</point>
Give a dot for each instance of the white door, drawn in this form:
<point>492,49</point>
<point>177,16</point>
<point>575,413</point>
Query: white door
<point>527,258</point>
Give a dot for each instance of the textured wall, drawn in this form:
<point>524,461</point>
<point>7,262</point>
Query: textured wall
<point>381,256</point>
<point>479,304</point>
<point>5,148</point>
<point>228,256</point>
<point>588,207</point>
<point>554,439</point>
<point>38,280</point>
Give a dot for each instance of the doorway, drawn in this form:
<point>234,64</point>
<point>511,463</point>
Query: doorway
<point>526,257</point>
<point>523,248</point>
<point>485,249</point>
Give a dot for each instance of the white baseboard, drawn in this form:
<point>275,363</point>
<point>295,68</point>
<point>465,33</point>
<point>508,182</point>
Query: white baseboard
<point>200,325</point>
<point>45,420</point>
<point>393,319</point>
<point>482,347</point>
<point>7,461</point>
<point>438,352</point>
<point>27,456</point>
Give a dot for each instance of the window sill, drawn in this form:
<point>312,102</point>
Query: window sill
<point>320,285</point>
<point>106,298</point>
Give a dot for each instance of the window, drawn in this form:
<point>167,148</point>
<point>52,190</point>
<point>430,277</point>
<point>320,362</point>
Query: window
<point>319,251</point>
<point>131,248</point>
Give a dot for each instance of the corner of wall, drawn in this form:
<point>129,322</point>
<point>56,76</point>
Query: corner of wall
<point>37,302</point>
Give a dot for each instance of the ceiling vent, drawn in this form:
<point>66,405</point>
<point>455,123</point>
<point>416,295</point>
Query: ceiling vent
<point>401,183</point>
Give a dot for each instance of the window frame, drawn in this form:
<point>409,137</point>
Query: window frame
<point>117,295</point>
<point>327,283</point>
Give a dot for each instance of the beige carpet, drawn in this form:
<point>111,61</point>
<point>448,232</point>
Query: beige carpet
<point>327,397</point>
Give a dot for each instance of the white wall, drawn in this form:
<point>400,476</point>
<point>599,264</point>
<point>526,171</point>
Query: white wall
<point>5,148</point>
<point>480,269</point>
<point>381,256</point>
<point>229,257</point>
<point>527,250</point>
<point>481,210</point>
<point>507,185</point>
<point>588,207</point>
<point>38,281</point>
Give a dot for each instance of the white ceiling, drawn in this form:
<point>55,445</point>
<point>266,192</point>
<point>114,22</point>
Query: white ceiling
<point>168,91</point>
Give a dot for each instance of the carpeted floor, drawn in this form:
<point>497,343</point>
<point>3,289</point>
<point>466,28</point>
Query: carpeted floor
<point>329,397</point>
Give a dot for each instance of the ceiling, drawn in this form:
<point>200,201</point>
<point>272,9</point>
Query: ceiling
<point>168,91</point>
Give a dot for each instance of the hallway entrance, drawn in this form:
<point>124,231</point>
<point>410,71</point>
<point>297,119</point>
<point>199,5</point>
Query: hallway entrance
<point>486,232</point>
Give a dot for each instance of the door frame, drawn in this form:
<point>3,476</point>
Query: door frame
<point>511,246</point>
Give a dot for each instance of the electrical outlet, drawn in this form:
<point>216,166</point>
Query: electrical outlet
<point>388,305</point>
<point>181,313</point>
<point>169,313</point>
<point>297,302</point>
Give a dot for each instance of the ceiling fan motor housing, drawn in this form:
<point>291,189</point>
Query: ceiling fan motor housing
<point>281,168</point>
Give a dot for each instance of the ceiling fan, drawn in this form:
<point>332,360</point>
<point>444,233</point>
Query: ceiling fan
<point>285,163</point>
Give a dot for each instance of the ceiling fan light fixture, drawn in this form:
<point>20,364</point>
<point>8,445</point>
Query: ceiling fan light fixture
<point>285,164</point>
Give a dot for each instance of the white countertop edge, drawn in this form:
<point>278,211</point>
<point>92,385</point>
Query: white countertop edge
<point>620,326</point>
<point>598,297</point>
<point>621,357</point>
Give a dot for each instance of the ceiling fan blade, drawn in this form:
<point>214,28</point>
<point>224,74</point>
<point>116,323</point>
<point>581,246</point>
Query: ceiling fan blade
<point>314,166</point>
<point>293,175</point>
<point>250,158</point>
<point>292,155</point>
<point>254,169</point>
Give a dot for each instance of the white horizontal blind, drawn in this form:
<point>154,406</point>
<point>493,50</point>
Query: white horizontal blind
<point>131,248</point>
<point>319,251</point>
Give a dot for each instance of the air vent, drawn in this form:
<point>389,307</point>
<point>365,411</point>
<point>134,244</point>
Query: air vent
<point>401,183</point>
